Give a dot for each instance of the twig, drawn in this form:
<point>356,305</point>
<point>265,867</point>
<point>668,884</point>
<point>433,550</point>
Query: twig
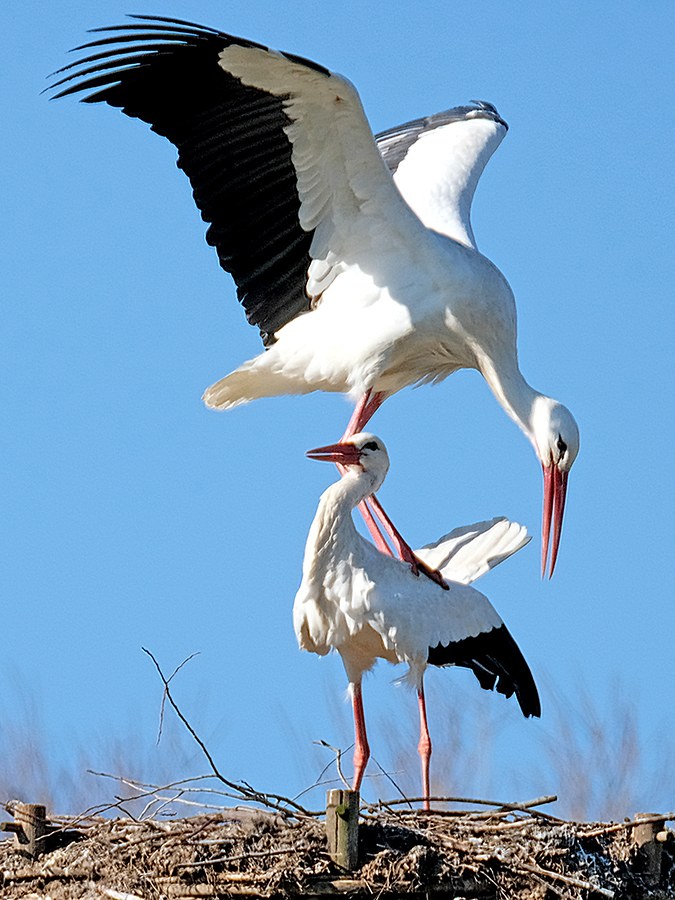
<point>550,887</point>
<point>499,806</point>
<point>242,877</point>
<point>259,855</point>
<point>500,827</point>
<point>338,757</point>
<point>247,792</point>
<point>566,879</point>
<point>115,895</point>
<point>631,823</point>
<point>175,672</point>
<point>146,790</point>
<point>473,800</point>
<point>389,778</point>
<point>167,696</point>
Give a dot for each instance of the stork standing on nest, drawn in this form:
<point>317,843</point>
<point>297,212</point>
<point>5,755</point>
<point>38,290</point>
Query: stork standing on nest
<point>360,282</point>
<point>369,606</point>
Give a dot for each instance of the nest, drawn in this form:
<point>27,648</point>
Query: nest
<point>509,852</point>
<point>269,846</point>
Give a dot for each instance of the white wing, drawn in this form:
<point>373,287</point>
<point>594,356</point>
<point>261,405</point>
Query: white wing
<point>347,196</point>
<point>279,152</point>
<point>468,552</point>
<point>437,162</point>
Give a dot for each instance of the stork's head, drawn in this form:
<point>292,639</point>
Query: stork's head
<point>555,436</point>
<point>362,454</point>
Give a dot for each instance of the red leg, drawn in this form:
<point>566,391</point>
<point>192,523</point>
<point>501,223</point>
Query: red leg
<point>404,551</point>
<point>365,409</point>
<point>373,528</point>
<point>424,746</point>
<point>361,748</point>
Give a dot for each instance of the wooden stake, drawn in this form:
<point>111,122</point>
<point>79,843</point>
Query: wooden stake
<point>32,818</point>
<point>342,828</point>
<point>647,837</point>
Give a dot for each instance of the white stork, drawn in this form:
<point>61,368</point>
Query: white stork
<point>368,606</point>
<point>355,257</point>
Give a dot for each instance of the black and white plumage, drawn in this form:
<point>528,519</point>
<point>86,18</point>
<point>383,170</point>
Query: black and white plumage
<point>360,282</point>
<point>369,606</point>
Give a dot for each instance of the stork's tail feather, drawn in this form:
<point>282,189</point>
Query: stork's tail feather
<point>251,382</point>
<point>219,396</point>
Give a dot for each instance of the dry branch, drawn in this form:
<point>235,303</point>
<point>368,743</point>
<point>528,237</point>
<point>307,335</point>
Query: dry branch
<point>285,805</point>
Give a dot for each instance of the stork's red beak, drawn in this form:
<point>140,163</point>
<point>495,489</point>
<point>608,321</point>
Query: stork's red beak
<point>555,490</point>
<point>344,454</point>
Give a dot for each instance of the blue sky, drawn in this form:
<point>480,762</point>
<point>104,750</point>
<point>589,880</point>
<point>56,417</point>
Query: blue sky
<point>133,516</point>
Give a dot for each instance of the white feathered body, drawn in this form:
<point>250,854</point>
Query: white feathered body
<point>364,336</point>
<point>366,605</point>
<point>360,280</point>
<point>401,293</point>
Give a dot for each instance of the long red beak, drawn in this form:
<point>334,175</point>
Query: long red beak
<point>555,491</point>
<point>344,454</point>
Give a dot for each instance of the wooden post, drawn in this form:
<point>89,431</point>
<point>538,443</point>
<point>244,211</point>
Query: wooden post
<point>342,828</point>
<point>647,837</point>
<point>32,818</point>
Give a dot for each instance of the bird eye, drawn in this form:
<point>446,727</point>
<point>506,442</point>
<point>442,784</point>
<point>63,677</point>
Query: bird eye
<point>562,446</point>
<point>371,445</point>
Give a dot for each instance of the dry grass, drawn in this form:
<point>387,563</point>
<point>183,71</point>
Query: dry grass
<point>28,772</point>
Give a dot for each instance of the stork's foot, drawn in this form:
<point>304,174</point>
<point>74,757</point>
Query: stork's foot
<point>421,568</point>
<point>402,547</point>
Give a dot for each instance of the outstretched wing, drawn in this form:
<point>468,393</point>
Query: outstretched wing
<point>278,150</point>
<point>437,161</point>
<point>467,553</point>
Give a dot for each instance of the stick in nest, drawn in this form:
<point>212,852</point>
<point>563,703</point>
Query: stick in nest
<point>273,801</point>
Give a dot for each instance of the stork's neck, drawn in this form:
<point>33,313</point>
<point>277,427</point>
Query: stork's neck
<point>333,520</point>
<point>332,531</point>
<point>341,498</point>
<point>514,394</point>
